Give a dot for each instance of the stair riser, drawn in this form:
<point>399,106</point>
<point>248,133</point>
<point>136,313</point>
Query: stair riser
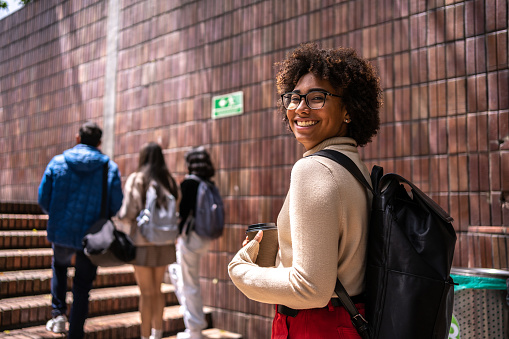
<point>19,208</point>
<point>33,286</point>
<point>16,288</point>
<point>23,262</point>
<point>37,312</point>
<point>9,241</point>
<point>19,223</point>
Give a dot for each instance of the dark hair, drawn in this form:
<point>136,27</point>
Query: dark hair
<point>199,163</point>
<point>355,77</point>
<point>153,165</point>
<point>90,134</point>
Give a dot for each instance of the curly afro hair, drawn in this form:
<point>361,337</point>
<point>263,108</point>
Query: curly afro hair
<point>353,76</point>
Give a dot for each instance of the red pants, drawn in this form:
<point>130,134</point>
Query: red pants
<point>317,323</point>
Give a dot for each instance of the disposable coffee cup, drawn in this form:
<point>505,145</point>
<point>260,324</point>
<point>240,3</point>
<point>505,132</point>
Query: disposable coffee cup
<point>268,245</point>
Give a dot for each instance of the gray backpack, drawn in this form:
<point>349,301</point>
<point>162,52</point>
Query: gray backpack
<point>209,215</point>
<point>159,225</point>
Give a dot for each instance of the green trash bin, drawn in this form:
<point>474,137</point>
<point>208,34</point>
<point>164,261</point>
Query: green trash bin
<point>480,304</point>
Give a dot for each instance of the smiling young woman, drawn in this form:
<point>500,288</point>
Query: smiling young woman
<point>330,99</point>
<point>312,126</point>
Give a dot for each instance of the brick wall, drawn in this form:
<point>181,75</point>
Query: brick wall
<point>51,80</point>
<point>445,122</point>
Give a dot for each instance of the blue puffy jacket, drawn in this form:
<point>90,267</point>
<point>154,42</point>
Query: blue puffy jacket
<point>71,190</point>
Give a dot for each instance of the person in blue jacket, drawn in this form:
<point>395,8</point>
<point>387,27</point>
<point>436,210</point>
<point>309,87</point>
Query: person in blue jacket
<point>70,193</point>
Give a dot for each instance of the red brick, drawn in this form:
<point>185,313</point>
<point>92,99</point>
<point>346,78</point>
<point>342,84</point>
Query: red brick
<point>496,209</point>
<point>433,100</point>
<point>504,171</point>
<point>503,87</point>
<point>500,257</point>
<point>461,103</point>
<point>462,177</point>
<point>481,84</point>
<point>492,51</point>
<point>490,12</point>
<point>454,170</point>
<point>452,107</point>
<point>441,62</point>
<point>453,135</point>
<point>432,64</point>
<point>451,57</point>
<point>462,134</point>
<point>463,220</point>
<point>471,94</point>
<point>442,99</point>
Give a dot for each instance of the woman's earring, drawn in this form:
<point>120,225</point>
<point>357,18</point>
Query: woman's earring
<point>347,120</point>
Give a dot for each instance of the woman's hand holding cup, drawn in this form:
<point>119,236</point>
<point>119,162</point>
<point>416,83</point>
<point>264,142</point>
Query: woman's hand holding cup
<point>258,237</point>
<point>266,235</point>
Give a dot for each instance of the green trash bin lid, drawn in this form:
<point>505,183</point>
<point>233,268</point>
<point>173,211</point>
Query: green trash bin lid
<point>479,278</point>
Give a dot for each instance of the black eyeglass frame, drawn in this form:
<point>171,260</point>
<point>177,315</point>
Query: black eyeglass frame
<point>305,96</point>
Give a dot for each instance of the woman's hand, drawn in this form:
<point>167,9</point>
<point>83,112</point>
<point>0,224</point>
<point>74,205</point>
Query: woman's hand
<point>258,237</point>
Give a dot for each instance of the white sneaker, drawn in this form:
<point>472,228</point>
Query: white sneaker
<point>57,324</point>
<point>190,335</point>
<point>156,334</point>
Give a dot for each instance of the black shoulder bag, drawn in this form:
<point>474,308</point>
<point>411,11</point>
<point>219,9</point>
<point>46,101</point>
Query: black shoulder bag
<point>103,244</point>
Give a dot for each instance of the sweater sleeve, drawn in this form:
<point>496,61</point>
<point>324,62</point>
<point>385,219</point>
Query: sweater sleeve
<point>132,203</point>
<point>314,228</point>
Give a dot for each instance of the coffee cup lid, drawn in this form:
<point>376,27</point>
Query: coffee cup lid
<point>261,226</point>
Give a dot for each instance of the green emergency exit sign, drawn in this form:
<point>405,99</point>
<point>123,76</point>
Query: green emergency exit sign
<point>227,105</point>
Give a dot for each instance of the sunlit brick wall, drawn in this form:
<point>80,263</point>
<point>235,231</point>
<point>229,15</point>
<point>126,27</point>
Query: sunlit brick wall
<point>51,80</point>
<point>445,121</point>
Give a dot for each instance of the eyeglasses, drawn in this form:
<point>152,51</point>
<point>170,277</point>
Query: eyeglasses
<point>314,99</point>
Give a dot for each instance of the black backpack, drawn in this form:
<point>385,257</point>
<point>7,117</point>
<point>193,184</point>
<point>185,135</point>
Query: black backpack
<point>209,215</point>
<point>409,291</point>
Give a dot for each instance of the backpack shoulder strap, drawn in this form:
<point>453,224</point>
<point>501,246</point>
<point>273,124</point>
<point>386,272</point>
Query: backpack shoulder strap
<point>150,194</point>
<point>361,325</point>
<point>347,163</point>
<point>104,195</point>
<point>358,320</point>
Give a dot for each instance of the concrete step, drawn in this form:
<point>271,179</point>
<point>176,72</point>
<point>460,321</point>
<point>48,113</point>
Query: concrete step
<point>32,282</point>
<point>25,259</point>
<point>23,222</point>
<point>23,239</point>
<point>34,310</point>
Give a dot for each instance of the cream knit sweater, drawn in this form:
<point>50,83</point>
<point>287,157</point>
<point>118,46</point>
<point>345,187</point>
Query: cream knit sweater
<point>322,233</point>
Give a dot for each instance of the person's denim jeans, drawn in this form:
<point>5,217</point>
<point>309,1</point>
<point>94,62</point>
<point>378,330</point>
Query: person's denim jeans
<point>84,276</point>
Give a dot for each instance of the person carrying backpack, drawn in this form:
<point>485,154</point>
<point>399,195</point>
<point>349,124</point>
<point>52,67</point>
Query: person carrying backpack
<point>152,258</point>
<point>330,99</point>
<point>194,239</point>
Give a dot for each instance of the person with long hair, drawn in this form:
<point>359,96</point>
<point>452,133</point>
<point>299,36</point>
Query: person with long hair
<point>151,260</point>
